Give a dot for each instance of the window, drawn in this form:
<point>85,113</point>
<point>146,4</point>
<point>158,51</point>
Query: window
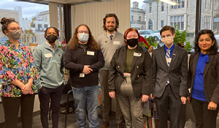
<point>162,23</point>
<point>139,18</point>
<point>150,7</point>
<point>179,4</point>
<point>205,4</point>
<point>45,26</point>
<point>33,25</point>
<point>162,6</point>
<point>187,3</point>
<point>177,21</point>
<point>27,20</point>
<point>132,18</point>
<point>207,23</point>
<point>150,25</point>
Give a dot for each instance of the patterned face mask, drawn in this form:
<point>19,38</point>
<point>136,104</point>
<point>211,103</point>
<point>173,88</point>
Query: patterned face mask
<point>15,35</point>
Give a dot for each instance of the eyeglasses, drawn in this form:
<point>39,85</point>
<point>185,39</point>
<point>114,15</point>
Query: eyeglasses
<point>13,29</point>
<point>83,32</point>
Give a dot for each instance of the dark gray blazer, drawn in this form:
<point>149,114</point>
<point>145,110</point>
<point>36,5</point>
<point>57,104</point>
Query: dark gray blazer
<point>177,72</point>
<point>211,76</point>
<point>141,73</point>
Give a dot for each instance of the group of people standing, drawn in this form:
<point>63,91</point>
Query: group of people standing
<point>127,73</point>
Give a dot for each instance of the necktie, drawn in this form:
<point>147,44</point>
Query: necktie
<point>168,59</point>
<point>111,37</point>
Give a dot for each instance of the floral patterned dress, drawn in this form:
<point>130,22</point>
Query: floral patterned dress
<point>16,64</point>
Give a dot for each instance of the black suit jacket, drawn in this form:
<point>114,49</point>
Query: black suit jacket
<point>141,73</point>
<point>177,73</point>
<point>211,76</point>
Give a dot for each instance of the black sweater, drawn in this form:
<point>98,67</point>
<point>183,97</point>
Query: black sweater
<point>74,60</point>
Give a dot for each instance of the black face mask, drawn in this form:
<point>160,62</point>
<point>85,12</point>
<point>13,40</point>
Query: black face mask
<point>132,42</point>
<point>51,38</point>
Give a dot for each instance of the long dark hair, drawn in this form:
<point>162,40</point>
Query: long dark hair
<point>73,43</point>
<point>214,48</point>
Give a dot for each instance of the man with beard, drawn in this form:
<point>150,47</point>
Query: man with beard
<point>109,42</point>
<point>48,60</point>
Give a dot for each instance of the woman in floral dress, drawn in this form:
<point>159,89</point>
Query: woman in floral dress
<point>17,76</point>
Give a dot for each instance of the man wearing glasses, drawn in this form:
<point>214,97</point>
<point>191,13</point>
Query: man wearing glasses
<point>109,42</point>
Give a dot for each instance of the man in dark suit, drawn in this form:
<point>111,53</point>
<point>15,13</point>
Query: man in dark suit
<point>169,78</point>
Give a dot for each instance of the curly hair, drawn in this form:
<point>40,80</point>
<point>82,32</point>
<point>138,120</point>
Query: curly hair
<point>214,48</point>
<point>5,22</point>
<point>110,15</point>
<point>92,43</point>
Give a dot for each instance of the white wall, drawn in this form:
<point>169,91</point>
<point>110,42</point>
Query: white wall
<point>92,14</point>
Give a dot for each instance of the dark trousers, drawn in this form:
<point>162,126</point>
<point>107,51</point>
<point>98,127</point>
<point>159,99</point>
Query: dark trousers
<point>204,118</point>
<point>107,100</point>
<point>11,107</point>
<point>168,102</point>
<point>45,95</point>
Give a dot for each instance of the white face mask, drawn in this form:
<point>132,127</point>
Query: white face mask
<point>167,40</point>
<point>83,37</point>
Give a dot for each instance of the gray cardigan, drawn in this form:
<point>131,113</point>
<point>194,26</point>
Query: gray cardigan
<point>109,47</point>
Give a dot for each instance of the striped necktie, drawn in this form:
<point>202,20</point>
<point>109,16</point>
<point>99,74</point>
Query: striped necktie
<point>168,59</point>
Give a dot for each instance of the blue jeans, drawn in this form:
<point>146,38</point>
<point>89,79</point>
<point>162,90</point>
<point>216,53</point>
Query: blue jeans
<point>86,97</point>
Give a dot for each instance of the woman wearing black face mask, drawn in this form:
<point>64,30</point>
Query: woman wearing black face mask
<point>130,78</point>
<point>17,72</point>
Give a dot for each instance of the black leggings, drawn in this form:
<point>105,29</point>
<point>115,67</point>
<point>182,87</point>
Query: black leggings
<point>11,107</point>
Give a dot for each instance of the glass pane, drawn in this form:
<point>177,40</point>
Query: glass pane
<point>173,16</point>
<point>178,19</point>
<point>182,18</point>
<point>32,18</point>
<point>171,19</point>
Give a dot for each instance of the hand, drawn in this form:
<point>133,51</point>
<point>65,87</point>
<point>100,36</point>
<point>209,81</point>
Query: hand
<point>144,98</point>
<point>151,48</point>
<point>212,106</point>
<point>152,97</point>
<point>183,99</point>
<point>112,94</point>
<point>188,99</point>
<point>87,70</point>
<point>27,88</point>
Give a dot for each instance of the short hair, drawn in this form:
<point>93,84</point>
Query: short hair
<point>5,22</point>
<point>111,15</point>
<point>165,28</point>
<point>214,48</point>
<point>56,30</point>
<point>129,30</point>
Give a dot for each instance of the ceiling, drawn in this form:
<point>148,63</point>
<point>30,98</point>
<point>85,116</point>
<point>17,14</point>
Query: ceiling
<point>62,1</point>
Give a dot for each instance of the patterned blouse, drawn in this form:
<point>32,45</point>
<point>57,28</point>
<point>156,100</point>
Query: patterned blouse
<point>16,64</point>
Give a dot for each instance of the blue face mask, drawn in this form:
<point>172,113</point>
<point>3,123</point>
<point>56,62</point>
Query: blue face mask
<point>83,37</point>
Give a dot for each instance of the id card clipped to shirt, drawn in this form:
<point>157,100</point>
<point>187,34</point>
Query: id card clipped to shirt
<point>81,75</point>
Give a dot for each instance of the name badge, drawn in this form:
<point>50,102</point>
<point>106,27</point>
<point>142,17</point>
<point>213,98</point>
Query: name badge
<point>81,75</point>
<point>116,42</point>
<point>48,55</point>
<point>137,54</point>
<point>90,53</point>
